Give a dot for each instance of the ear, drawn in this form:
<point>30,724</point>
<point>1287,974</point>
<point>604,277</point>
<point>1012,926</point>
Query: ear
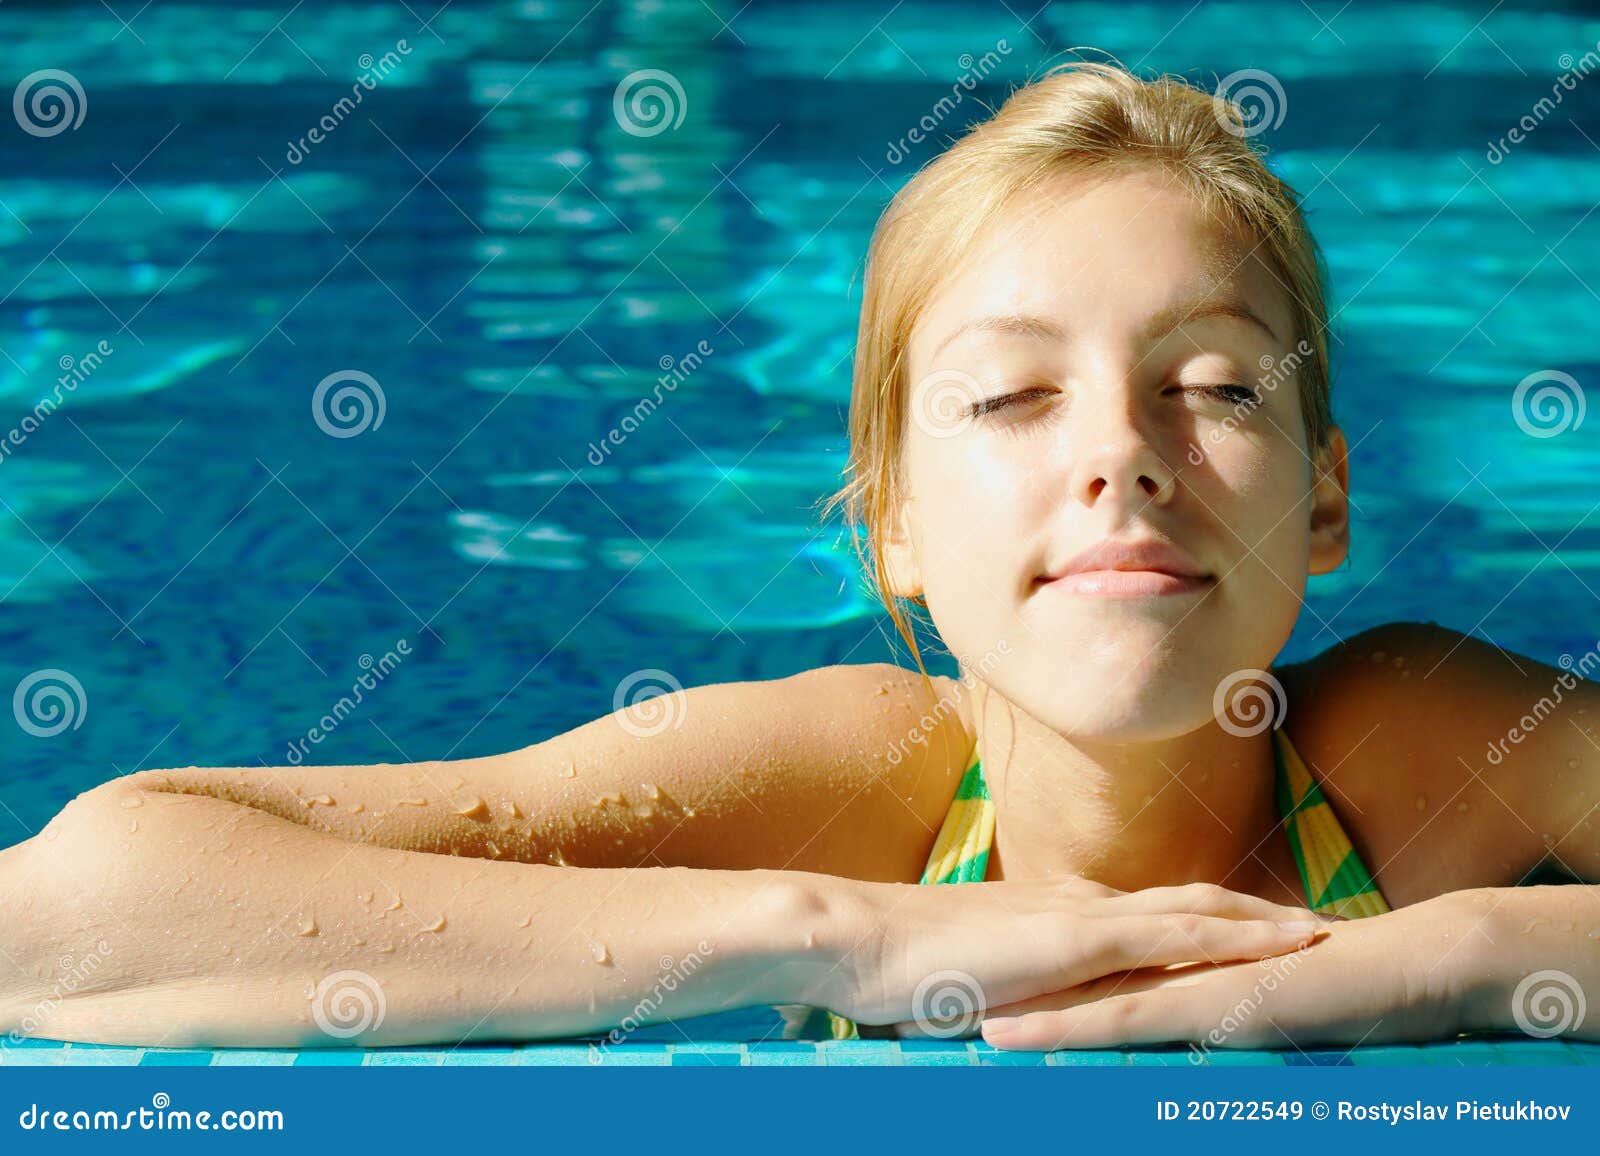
<point>1330,504</point>
<point>903,570</point>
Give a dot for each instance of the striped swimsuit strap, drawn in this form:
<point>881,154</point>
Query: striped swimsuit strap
<point>1335,880</point>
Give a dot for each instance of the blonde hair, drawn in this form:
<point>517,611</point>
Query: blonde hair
<point>1078,118</point>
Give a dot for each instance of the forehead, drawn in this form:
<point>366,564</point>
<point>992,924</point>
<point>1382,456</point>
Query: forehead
<point>1102,254</point>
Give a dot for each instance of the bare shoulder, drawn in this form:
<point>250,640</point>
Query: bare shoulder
<point>844,769</point>
<point>1406,725</point>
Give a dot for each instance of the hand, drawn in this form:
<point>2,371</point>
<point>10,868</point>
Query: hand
<point>938,956</point>
<point>1386,978</point>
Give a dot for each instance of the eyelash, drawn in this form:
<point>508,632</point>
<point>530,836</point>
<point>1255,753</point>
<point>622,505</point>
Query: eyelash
<point>1225,392</point>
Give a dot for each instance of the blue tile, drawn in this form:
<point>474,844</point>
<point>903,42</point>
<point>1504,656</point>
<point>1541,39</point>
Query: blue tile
<point>706,1060</point>
<point>1525,1053</point>
<point>252,1058</point>
<point>1090,1058</point>
<point>403,1058</point>
<point>162,1058</point>
<point>1318,1059</point>
<point>1000,1059</point>
<point>330,1058</point>
<point>549,1055</point>
<point>1243,1058</point>
<point>1159,1058</point>
<point>1387,1055</point>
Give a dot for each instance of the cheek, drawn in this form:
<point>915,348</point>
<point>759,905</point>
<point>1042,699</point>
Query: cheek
<point>973,514</point>
<point>1260,491</point>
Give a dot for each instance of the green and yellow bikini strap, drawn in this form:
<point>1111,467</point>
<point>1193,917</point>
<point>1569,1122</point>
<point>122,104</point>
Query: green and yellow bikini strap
<point>1335,879</point>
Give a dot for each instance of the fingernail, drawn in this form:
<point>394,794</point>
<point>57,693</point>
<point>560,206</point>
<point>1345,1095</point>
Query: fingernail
<point>999,1027</point>
<point>1301,926</point>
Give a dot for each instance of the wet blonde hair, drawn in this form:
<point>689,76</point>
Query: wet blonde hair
<point>1078,118</point>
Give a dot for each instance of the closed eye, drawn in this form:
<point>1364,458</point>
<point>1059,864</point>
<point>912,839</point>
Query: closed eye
<point>1237,395</point>
<point>994,404</point>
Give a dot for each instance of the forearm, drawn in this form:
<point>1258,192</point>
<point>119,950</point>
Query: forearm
<point>1530,960</point>
<point>216,924</point>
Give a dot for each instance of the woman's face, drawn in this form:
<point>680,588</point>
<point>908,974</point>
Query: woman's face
<point>1112,368</point>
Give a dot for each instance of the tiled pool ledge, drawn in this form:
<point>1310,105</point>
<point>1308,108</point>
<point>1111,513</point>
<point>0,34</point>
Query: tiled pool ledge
<point>1486,1051</point>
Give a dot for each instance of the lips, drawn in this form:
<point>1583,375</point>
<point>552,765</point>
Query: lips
<point>1132,568</point>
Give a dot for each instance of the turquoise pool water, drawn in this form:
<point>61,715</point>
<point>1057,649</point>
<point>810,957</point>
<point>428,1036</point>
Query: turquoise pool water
<point>202,541</point>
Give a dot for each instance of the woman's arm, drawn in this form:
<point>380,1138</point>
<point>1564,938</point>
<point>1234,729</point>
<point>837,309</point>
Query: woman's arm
<point>152,918</point>
<point>842,769</point>
<point>156,918</point>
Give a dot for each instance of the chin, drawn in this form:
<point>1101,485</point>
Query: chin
<point>1109,703</point>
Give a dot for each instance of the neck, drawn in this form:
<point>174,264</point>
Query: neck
<point>1197,808</point>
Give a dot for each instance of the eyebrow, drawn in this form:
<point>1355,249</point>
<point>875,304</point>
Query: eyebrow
<point>1160,324</point>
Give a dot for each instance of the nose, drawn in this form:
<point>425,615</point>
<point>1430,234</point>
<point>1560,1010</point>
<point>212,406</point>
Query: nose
<point>1118,463</point>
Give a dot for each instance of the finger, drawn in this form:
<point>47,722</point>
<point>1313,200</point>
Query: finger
<point>1204,898</point>
<point>1136,941</point>
<point>1125,1021</point>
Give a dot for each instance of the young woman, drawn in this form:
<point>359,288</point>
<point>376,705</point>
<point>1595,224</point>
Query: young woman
<point>1091,437</point>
